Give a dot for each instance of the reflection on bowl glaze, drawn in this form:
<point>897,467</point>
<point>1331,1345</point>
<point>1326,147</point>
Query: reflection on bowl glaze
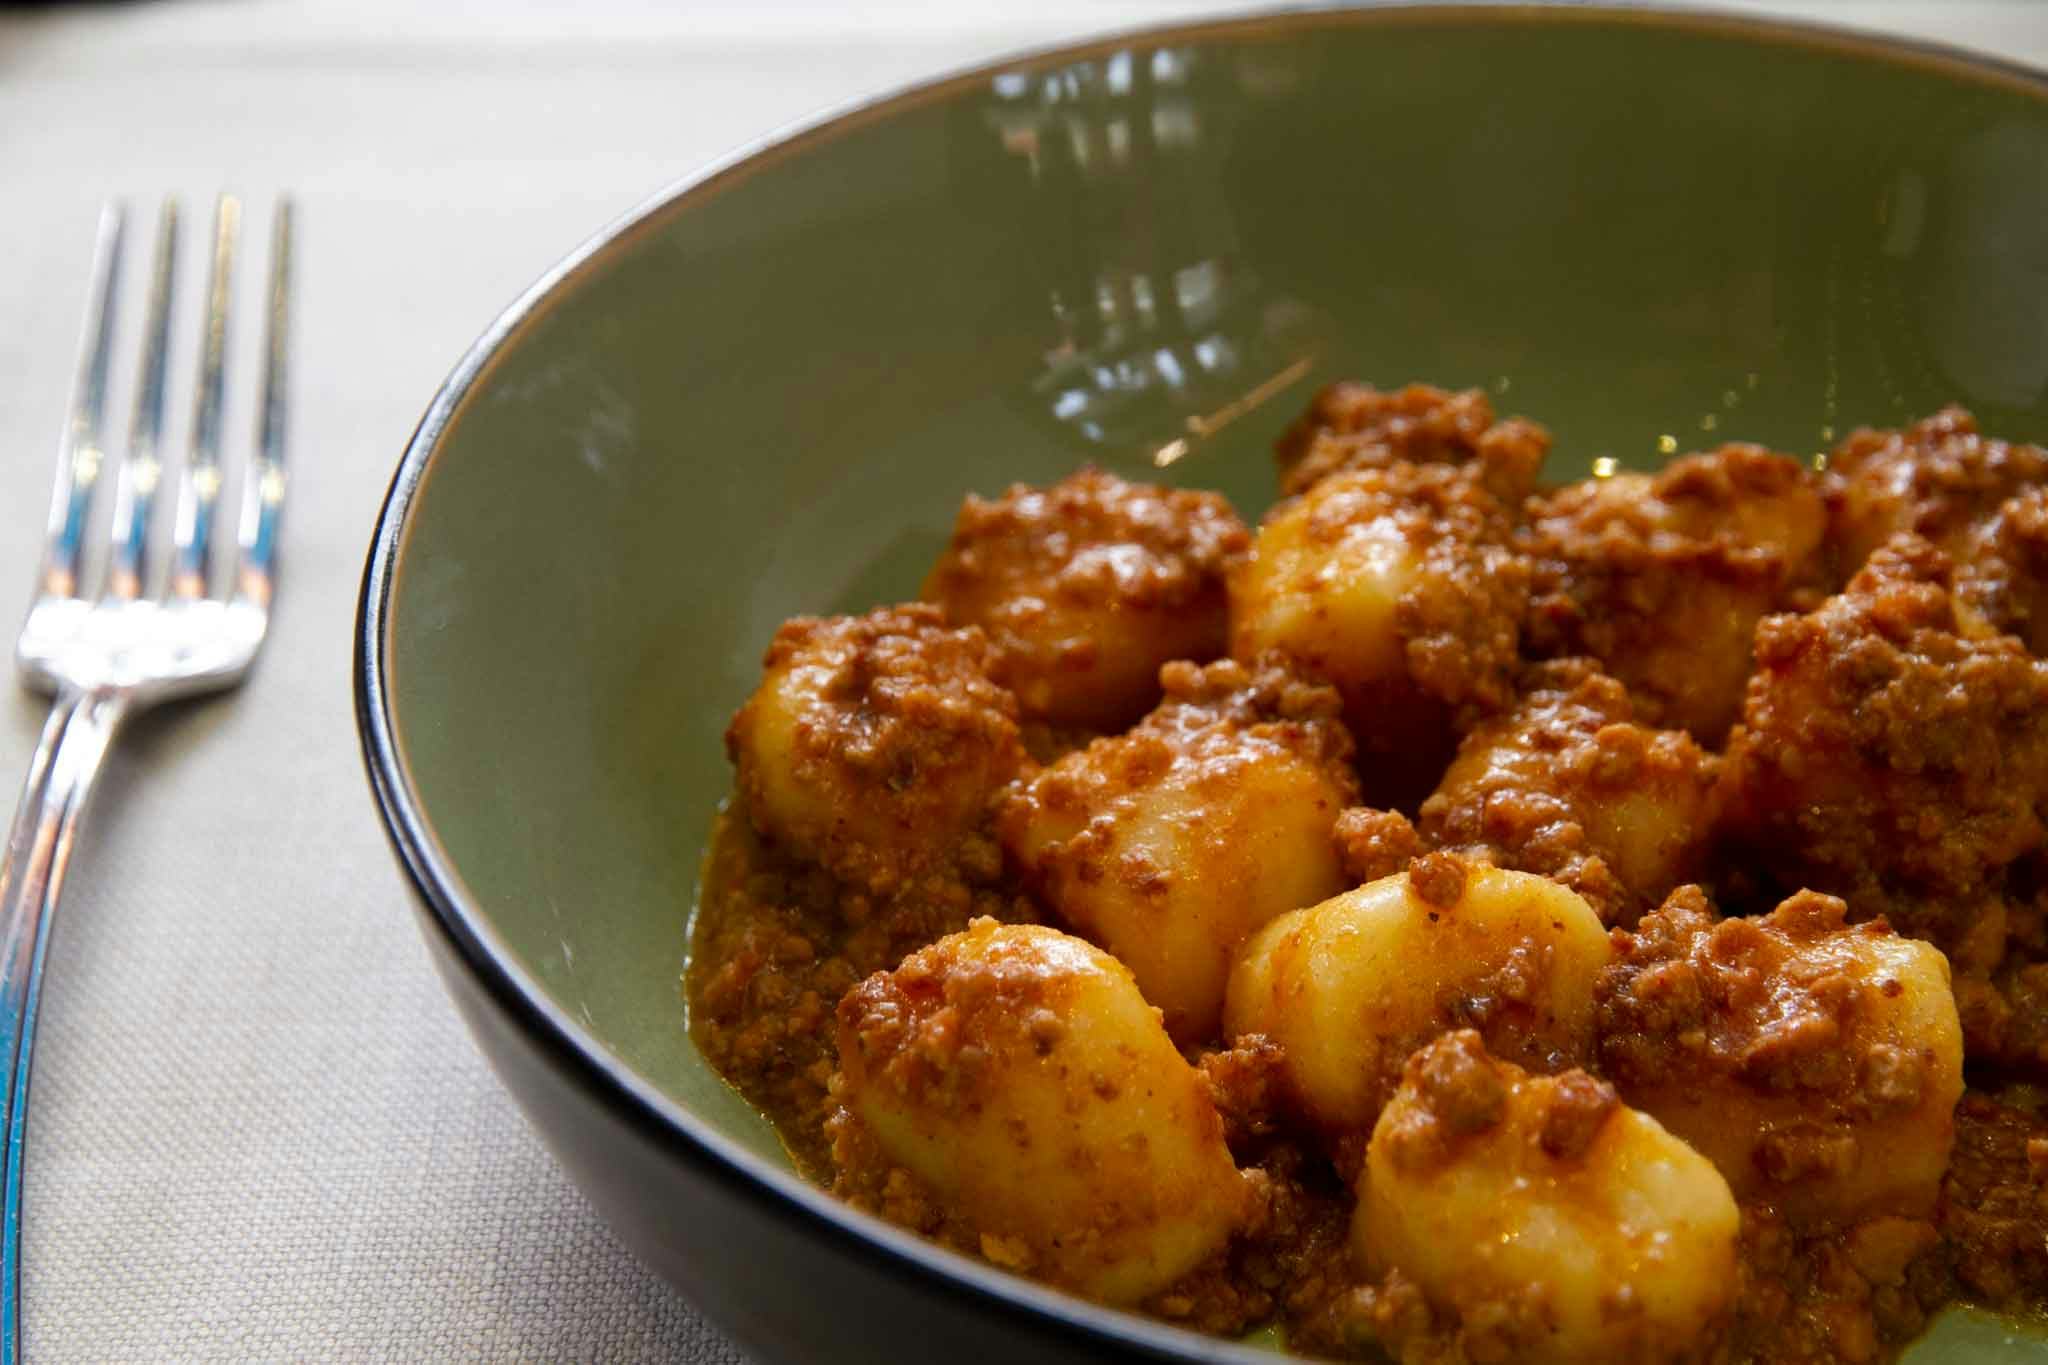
<point>1161,333</point>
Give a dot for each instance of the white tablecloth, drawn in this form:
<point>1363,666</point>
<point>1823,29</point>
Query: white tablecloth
<point>258,1129</point>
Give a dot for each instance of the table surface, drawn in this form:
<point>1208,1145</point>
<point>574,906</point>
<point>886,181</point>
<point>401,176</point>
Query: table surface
<point>258,1129</point>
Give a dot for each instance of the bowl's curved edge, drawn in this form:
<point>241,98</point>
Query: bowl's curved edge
<point>451,912</point>
<point>440,890</point>
<point>607,1079</point>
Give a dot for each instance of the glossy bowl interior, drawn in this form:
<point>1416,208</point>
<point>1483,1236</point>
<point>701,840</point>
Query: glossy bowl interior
<point>766,393</point>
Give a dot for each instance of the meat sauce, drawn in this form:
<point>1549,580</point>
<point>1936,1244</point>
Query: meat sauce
<point>1460,920</point>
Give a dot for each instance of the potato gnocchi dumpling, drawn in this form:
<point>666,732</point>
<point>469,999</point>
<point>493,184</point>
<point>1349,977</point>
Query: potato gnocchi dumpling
<point>1818,1065</point>
<point>1887,759</point>
<point>1546,1219</point>
<point>1172,844</point>
<point>2002,586</point>
<point>1356,426</point>
<point>1941,479</point>
<point>1397,585</point>
<point>1350,987</point>
<point>1087,587</point>
<point>1980,501</point>
<point>1663,577</point>
<point>1013,1080</point>
<point>874,743</point>
<point>1567,784</point>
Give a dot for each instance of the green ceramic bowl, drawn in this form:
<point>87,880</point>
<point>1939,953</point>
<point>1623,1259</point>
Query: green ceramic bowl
<point>766,392</point>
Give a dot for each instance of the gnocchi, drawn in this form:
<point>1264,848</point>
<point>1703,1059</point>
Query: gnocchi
<point>1396,585</point>
<point>1817,1064</point>
<point>1017,1074</point>
<point>874,743</point>
<point>1088,587</point>
<point>1567,784</point>
<point>1554,1223</point>
<point>1350,987</point>
<point>1172,844</point>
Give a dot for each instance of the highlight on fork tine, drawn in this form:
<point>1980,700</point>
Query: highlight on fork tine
<point>263,482</point>
<point>200,480</point>
<point>81,449</point>
<point>142,466</point>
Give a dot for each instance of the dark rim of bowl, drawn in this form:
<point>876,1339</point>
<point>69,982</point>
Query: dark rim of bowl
<point>774,1190</point>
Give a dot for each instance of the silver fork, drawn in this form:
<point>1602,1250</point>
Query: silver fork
<point>104,656</point>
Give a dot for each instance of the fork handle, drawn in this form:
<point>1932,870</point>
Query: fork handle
<point>53,800</point>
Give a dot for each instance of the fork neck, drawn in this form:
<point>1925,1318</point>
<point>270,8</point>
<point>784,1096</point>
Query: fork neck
<point>60,781</point>
<point>67,761</point>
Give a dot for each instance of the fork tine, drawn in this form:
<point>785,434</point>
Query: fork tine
<point>80,451</point>
<point>199,485</point>
<point>135,493</point>
<point>263,484</point>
